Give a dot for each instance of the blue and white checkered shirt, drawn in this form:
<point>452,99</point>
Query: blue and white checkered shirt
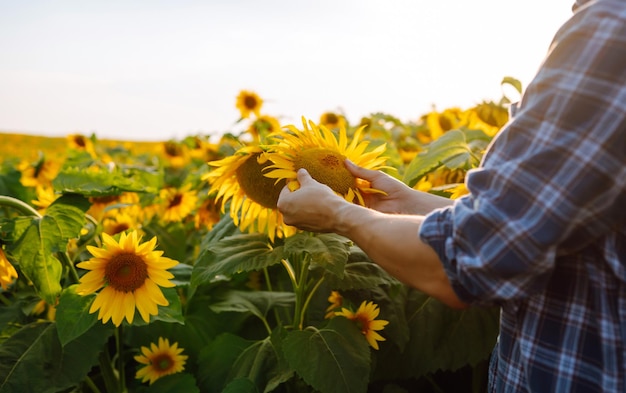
<point>543,233</point>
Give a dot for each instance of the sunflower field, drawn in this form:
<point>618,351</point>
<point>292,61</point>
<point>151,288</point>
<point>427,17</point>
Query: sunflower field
<point>166,267</point>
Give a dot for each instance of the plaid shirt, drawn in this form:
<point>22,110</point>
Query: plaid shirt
<point>543,233</point>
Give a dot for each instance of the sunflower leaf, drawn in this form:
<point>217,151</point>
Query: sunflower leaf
<point>33,361</point>
<point>42,238</point>
<point>327,250</point>
<point>451,150</point>
<point>104,182</point>
<point>258,303</point>
<point>72,315</point>
<point>360,275</point>
<point>333,359</point>
<point>239,253</point>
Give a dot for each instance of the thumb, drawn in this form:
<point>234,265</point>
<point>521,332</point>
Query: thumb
<point>303,176</point>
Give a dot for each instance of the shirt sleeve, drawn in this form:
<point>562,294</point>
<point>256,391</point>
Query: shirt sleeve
<point>553,180</point>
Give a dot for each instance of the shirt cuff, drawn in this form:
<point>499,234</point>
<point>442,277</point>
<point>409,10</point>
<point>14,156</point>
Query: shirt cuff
<point>436,231</point>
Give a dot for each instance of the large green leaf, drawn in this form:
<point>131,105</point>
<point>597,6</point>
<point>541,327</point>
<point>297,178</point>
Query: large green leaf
<point>361,275</point>
<point>33,360</point>
<point>259,303</point>
<point>327,250</point>
<point>441,338</point>
<point>239,253</point>
<point>451,150</point>
<point>72,315</point>
<point>104,182</point>
<point>231,358</point>
<point>41,238</point>
<point>333,359</point>
<point>174,383</point>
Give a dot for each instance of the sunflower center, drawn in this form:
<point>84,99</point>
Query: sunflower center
<point>126,272</point>
<point>162,362</point>
<point>363,323</point>
<point>250,102</point>
<point>257,187</point>
<point>80,141</point>
<point>176,200</point>
<point>326,166</point>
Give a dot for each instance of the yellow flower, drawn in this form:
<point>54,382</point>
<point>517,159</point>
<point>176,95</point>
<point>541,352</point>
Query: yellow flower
<point>8,274</point>
<point>365,318</point>
<point>332,120</point>
<point>117,223</point>
<point>458,191</point>
<point>176,154</point>
<point>129,273</point>
<point>336,301</point>
<point>263,126</point>
<point>487,116</point>
<point>318,151</point>
<point>208,214</point>
<point>160,360</point>
<point>239,178</point>
<point>80,142</point>
<point>249,102</point>
<point>178,203</point>
<point>440,122</point>
<point>40,172</point>
<point>45,197</point>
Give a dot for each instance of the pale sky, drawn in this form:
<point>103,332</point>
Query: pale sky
<point>158,70</point>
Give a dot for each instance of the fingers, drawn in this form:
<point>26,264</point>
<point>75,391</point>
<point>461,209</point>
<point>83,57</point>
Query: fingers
<point>303,176</point>
<point>360,172</point>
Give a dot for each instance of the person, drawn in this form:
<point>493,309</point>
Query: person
<point>542,233</point>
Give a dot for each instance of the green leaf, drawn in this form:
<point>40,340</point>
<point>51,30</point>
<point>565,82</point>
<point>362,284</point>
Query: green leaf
<point>105,182</point>
<point>173,312</point>
<point>33,360</point>
<point>72,315</point>
<point>239,253</point>
<point>175,383</point>
<point>334,359</point>
<point>240,385</point>
<point>361,275</point>
<point>219,357</point>
<point>41,238</point>
<point>451,150</point>
<point>442,338</point>
<point>507,80</point>
<point>258,303</point>
<point>327,250</point>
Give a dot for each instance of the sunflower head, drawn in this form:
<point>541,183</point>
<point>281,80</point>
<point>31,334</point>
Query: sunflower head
<point>253,196</point>
<point>160,360</point>
<point>365,318</point>
<point>8,274</point>
<point>249,102</point>
<point>322,154</point>
<point>127,273</point>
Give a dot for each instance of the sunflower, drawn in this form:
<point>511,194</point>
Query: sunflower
<point>263,126</point>
<point>318,151</point>
<point>129,273</point>
<point>175,154</point>
<point>45,197</point>
<point>40,172</point>
<point>365,317</point>
<point>332,120</point>
<point>8,274</point>
<point>239,178</point>
<point>336,300</point>
<point>178,203</point>
<point>249,102</point>
<point>160,360</point>
<point>80,142</point>
<point>208,214</point>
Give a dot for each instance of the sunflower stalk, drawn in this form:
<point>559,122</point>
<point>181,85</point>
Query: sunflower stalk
<point>270,288</point>
<point>119,343</point>
<point>300,290</point>
<point>308,300</point>
<point>108,375</point>
<point>18,205</point>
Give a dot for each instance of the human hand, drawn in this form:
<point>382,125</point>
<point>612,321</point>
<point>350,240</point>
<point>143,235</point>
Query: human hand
<point>398,197</point>
<point>312,207</point>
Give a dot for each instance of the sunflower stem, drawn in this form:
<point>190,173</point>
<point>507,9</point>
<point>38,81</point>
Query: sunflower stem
<point>308,300</point>
<point>108,375</point>
<point>19,205</point>
<point>4,300</point>
<point>300,294</point>
<point>119,342</point>
<point>89,382</point>
<point>70,265</point>
<point>268,283</point>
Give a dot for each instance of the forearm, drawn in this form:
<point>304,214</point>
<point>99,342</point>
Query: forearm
<point>392,241</point>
